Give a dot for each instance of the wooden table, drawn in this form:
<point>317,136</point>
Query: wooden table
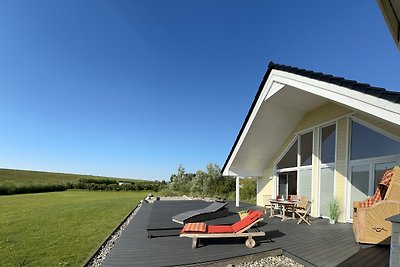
<point>285,204</point>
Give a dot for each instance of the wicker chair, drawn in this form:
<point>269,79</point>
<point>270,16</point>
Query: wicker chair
<point>369,216</point>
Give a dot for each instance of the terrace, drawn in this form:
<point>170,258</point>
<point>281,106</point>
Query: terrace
<point>320,244</point>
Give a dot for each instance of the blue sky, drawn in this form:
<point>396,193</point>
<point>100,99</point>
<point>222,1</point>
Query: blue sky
<point>135,88</point>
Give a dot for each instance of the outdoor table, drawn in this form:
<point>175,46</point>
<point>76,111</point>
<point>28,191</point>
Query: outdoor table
<point>285,204</point>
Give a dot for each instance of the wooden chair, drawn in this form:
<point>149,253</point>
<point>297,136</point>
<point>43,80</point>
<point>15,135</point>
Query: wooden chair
<point>267,203</point>
<point>302,203</point>
<point>369,216</point>
<point>304,213</point>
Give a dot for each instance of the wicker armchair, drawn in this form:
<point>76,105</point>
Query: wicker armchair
<point>369,216</point>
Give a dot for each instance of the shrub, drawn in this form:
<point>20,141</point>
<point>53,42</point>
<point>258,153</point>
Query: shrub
<point>10,189</point>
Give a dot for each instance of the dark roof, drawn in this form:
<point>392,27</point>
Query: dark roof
<point>365,88</point>
<point>351,84</point>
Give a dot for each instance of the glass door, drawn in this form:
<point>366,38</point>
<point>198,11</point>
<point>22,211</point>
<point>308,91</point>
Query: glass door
<point>327,185</point>
<point>287,183</point>
<point>359,185</point>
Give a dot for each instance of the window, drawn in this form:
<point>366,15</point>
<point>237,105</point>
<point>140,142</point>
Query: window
<point>295,176</point>
<point>328,143</point>
<point>359,183</point>
<point>366,143</point>
<point>371,154</point>
<point>290,158</point>
<point>306,149</point>
<point>380,169</point>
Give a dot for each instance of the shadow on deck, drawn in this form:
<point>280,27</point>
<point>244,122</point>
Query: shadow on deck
<point>320,244</point>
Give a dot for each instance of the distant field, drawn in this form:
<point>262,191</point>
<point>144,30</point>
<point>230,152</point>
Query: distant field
<point>35,177</point>
<point>59,228</point>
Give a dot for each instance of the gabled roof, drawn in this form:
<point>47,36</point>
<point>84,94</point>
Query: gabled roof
<point>351,84</point>
<point>316,86</point>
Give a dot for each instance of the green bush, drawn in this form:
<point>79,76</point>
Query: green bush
<point>98,181</point>
<point>10,189</point>
<point>248,188</point>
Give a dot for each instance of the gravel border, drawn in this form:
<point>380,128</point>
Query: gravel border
<point>100,255</point>
<point>280,261</point>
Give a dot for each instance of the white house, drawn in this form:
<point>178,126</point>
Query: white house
<point>318,135</point>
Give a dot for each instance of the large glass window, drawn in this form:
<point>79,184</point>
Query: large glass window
<point>380,169</point>
<point>305,180</point>
<point>366,143</point>
<point>359,183</point>
<point>306,142</point>
<point>290,158</point>
<point>328,144</point>
<point>293,177</point>
<point>327,189</point>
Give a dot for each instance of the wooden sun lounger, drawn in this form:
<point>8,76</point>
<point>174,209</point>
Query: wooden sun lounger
<point>197,231</point>
<point>215,210</point>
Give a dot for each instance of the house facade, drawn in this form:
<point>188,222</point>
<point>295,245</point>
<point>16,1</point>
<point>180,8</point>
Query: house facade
<point>317,135</point>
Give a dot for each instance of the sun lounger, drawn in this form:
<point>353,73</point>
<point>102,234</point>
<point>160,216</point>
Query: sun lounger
<point>215,210</point>
<point>238,229</point>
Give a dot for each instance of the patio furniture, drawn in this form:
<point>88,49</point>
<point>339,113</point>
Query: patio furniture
<point>302,202</point>
<point>216,210</point>
<point>303,213</point>
<point>369,216</point>
<point>267,203</point>
<point>286,206</point>
<point>238,229</point>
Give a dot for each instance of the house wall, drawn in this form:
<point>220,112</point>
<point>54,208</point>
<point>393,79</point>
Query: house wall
<point>311,121</point>
<point>265,185</point>
<point>326,114</point>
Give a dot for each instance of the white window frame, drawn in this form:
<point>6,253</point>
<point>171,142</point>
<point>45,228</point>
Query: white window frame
<point>367,161</point>
<point>297,168</point>
<point>326,165</point>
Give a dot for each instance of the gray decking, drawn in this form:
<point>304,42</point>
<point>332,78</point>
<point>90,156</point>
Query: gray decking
<point>320,244</point>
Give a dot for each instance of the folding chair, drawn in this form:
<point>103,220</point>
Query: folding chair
<point>267,203</point>
<point>304,213</point>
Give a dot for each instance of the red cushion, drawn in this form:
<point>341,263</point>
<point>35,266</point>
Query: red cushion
<point>213,229</point>
<point>194,228</point>
<point>246,221</point>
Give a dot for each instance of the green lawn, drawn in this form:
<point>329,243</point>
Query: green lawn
<point>59,228</point>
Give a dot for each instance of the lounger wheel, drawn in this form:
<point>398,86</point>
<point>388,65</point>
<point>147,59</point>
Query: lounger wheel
<point>250,242</point>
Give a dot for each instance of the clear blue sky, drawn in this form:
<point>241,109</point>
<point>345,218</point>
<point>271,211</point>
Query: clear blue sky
<point>135,88</point>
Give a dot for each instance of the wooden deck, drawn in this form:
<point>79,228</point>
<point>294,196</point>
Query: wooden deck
<point>320,244</point>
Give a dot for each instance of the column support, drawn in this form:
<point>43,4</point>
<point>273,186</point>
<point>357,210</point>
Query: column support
<point>237,191</point>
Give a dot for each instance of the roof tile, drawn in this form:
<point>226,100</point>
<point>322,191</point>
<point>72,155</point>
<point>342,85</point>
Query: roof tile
<point>365,88</point>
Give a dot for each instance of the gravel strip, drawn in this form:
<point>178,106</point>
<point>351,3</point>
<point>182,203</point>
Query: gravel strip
<point>99,257</point>
<point>269,261</point>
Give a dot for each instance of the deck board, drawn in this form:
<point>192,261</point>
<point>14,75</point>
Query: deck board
<point>320,244</point>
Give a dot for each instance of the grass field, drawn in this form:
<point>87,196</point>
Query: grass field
<point>36,177</point>
<point>59,228</point>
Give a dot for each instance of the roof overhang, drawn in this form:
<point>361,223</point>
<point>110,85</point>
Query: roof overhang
<point>391,12</point>
<point>281,102</point>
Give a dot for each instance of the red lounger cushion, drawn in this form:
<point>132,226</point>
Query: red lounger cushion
<point>253,216</point>
<point>215,229</point>
<point>194,228</point>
